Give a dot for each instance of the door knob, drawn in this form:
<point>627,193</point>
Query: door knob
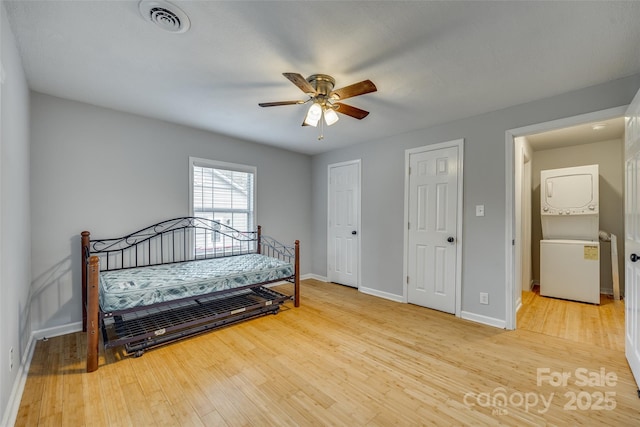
<point>354,232</point>
<point>451,239</point>
<point>634,257</point>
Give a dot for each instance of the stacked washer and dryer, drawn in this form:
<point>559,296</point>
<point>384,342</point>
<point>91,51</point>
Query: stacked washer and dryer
<point>570,249</point>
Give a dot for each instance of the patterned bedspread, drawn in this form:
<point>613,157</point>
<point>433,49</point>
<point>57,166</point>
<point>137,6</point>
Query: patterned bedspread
<point>142,286</point>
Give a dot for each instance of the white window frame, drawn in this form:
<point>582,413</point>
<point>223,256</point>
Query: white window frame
<point>216,164</point>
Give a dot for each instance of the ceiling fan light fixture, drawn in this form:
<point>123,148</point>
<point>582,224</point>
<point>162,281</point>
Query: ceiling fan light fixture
<point>330,116</point>
<point>320,91</point>
<point>313,115</point>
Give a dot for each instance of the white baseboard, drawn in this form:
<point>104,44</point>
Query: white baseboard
<point>486,320</point>
<point>368,291</point>
<point>303,277</point>
<point>314,276</point>
<point>56,331</point>
<point>13,406</point>
<point>269,285</point>
<point>381,294</point>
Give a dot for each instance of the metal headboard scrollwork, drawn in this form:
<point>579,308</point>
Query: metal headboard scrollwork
<point>275,249</point>
<point>174,240</point>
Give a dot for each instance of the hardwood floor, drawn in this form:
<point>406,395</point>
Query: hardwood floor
<point>600,325</point>
<point>342,358</point>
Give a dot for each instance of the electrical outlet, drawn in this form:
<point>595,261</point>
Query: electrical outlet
<point>484,298</point>
<point>11,359</point>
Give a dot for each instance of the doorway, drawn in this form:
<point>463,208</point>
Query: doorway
<point>568,142</point>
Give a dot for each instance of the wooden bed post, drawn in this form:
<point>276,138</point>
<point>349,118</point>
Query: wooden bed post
<point>296,284</point>
<point>84,240</point>
<point>259,239</point>
<point>92,314</point>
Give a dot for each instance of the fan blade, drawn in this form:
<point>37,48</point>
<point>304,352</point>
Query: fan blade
<point>301,82</point>
<point>355,89</point>
<point>350,111</point>
<point>275,104</point>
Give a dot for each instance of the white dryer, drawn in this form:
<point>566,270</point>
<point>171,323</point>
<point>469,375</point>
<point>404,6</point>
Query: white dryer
<point>569,205</point>
<point>570,251</point>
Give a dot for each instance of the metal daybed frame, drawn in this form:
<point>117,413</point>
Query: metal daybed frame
<point>173,241</point>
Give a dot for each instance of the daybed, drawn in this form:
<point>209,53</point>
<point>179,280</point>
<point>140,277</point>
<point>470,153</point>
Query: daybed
<point>178,278</point>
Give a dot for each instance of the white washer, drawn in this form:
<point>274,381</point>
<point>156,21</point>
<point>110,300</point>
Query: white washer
<point>570,269</point>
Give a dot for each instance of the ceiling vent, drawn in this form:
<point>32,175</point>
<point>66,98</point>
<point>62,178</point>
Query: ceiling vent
<point>167,16</point>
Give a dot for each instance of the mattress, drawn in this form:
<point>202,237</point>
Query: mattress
<point>143,286</point>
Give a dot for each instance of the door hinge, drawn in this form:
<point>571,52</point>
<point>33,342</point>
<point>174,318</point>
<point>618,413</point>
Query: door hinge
<point>407,280</point>
<point>409,170</point>
<point>408,226</point>
<point>513,242</point>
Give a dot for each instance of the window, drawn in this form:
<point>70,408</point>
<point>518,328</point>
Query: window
<point>224,192</point>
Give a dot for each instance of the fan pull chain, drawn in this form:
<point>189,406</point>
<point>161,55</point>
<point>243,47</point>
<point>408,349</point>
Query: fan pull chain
<point>321,136</point>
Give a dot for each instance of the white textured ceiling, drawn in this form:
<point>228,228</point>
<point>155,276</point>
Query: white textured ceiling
<point>432,62</point>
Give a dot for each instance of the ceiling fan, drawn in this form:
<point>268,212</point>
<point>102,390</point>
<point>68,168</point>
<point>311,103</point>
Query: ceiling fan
<point>325,100</point>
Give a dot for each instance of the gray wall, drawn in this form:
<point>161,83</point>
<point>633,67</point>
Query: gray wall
<point>483,264</point>
<point>15,273</point>
<point>609,155</point>
<point>112,173</point>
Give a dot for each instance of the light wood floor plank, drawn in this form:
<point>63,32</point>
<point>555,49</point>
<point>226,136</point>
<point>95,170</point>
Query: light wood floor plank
<point>186,415</point>
<point>601,325</point>
<point>346,359</point>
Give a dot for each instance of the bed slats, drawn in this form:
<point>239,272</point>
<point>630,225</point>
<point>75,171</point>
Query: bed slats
<point>145,329</point>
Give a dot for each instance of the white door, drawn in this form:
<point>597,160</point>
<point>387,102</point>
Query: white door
<point>432,229</point>
<point>632,237</point>
<point>343,223</point>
